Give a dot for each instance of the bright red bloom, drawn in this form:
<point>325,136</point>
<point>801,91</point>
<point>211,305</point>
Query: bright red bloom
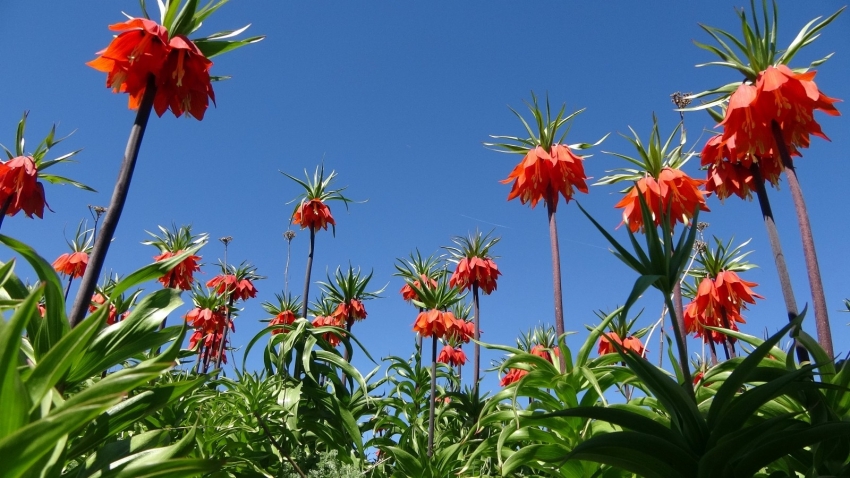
<point>673,189</point>
<point>348,312</point>
<point>718,303</point>
<point>228,283</point>
<point>434,323</point>
<point>210,321</point>
<point>286,317</point>
<point>212,341</point>
<point>140,50</point>
<point>543,352</point>
<point>629,343</point>
<point>513,375</point>
<point>328,321</point>
<point>791,99</point>
<point>543,175</point>
<point>463,330</point>
<point>407,292</point>
<point>184,82</point>
<point>97,301</point>
<point>72,264</point>
<point>452,356</point>
<point>475,270</point>
<point>313,214</point>
<point>42,310</point>
<point>19,180</point>
<point>181,276</point>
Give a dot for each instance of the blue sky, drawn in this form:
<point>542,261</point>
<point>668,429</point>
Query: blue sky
<point>398,97</point>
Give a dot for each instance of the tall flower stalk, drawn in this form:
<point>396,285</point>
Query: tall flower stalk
<point>235,283</point>
<point>414,270</point>
<point>312,213</point>
<point>160,69</point>
<point>475,270</point>
<point>768,118</point>
<point>549,169</point>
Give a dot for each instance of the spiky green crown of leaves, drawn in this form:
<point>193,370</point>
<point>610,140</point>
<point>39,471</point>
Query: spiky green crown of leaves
<point>181,18</point>
<point>121,302</point>
<point>652,157</point>
<point>83,239</point>
<point>415,266</point>
<point>245,270</point>
<point>756,50</point>
<point>348,285</point>
<point>176,239</point>
<point>441,297</point>
<point>474,245</point>
<point>545,132</point>
<point>319,187</point>
<point>713,260</point>
<point>285,302</point>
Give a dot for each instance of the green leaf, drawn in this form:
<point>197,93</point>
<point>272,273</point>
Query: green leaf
<point>13,394</point>
<point>646,455</point>
<point>212,48</point>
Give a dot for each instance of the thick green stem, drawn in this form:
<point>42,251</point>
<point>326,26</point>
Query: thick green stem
<point>778,257</point>
<point>306,296</point>
<point>116,205</point>
<point>433,404</point>
<point>556,278</point>
<point>476,372</point>
<point>679,336</point>
<point>809,253</point>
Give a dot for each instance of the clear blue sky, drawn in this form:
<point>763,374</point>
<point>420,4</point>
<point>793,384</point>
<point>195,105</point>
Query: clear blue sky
<point>398,98</point>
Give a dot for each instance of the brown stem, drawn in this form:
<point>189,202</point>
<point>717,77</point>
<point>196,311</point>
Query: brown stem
<point>309,270</point>
<point>218,359</point>
<point>728,342</point>
<point>68,287</point>
<point>200,354</point>
<point>713,350</point>
<point>433,404</point>
<point>116,205</point>
<point>556,279</point>
<point>680,312</point>
<point>679,337</point>
<point>778,256</point>
<point>277,445</point>
<point>812,268</point>
<point>476,372</point>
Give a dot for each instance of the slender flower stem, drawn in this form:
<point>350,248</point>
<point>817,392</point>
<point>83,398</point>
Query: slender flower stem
<point>433,404</point>
<point>116,205</point>
<point>68,287</point>
<point>476,372</point>
<point>713,349</point>
<point>812,268</point>
<point>556,278</point>
<point>309,271</point>
<point>200,353</point>
<point>224,333</point>
<point>679,336</point>
<point>680,313</point>
<point>6,204</point>
<point>280,449</point>
<point>778,257</point>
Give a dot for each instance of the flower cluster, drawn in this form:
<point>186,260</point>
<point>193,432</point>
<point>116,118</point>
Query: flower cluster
<point>453,356</point>
<point>475,270</point>
<point>19,186</point>
<point>718,303</point>
<point>313,214</point>
<point>181,277</point>
<point>546,174</point>
<point>142,54</point>
<point>673,190</point>
<point>629,343</point>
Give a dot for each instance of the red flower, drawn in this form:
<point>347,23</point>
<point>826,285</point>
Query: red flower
<point>542,352</point>
<point>463,330</point>
<point>229,284</point>
<point>97,301</point>
<point>629,343</point>
<point>673,189</point>
<point>543,175</point>
<point>718,303</point>
<point>42,310</point>
<point>452,356</point>
<point>469,271</point>
<point>407,292</point>
<point>328,321</point>
<point>210,321</point>
<point>19,180</point>
<point>286,317</point>
<point>184,82</point>
<point>513,375</point>
<point>140,50</point>
<point>347,312</point>
<point>434,323</point>
<point>180,276</point>
<point>313,214</point>
<point>72,264</point>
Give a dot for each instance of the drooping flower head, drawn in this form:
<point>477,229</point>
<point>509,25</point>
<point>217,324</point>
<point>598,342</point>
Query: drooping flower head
<point>629,343</point>
<point>119,305</point>
<point>667,191</point>
<point>721,295</point>
<point>284,312</point>
<point>347,291</point>
<point>311,211</point>
<point>236,281</point>
<point>549,168</point>
<point>171,243</point>
<point>474,264</point>
<point>323,310</point>
<point>435,319</point>
<point>540,342</point>
<point>73,264</point>
<point>772,95</point>
<point>621,333</point>
<point>452,356</point>
<point>418,272</point>
<point>161,54</point>
<point>20,188</point>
